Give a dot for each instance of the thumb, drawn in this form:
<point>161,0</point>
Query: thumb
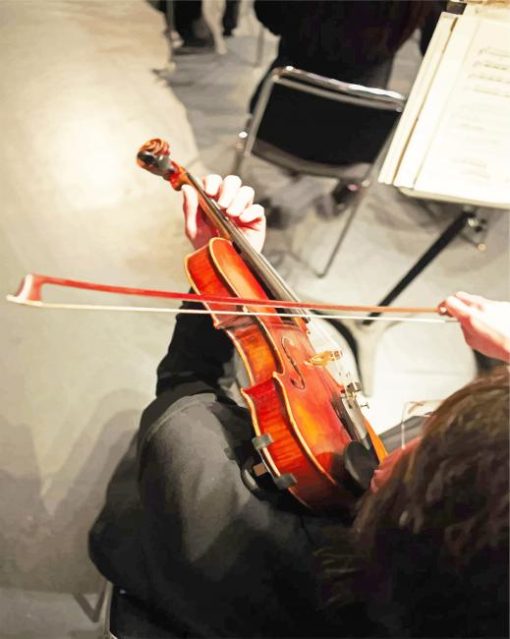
<point>190,208</point>
<point>458,308</point>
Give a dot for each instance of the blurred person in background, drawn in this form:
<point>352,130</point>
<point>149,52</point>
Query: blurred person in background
<point>349,41</point>
<point>187,30</point>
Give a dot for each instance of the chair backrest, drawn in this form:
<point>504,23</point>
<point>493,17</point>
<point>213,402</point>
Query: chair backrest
<point>320,121</point>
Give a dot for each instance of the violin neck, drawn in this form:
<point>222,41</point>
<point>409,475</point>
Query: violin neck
<point>154,157</point>
<point>268,276</point>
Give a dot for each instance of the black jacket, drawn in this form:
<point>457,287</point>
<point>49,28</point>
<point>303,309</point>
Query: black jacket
<point>345,39</point>
<point>183,532</point>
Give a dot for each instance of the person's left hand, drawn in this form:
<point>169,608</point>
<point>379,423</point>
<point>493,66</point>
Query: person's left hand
<point>235,200</point>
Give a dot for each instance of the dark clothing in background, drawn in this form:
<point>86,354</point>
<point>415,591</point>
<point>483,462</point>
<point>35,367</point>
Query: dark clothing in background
<point>185,17</point>
<point>230,16</point>
<point>344,40</point>
<point>186,14</point>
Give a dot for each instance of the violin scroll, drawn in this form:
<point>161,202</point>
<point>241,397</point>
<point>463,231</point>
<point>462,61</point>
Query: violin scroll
<point>154,156</point>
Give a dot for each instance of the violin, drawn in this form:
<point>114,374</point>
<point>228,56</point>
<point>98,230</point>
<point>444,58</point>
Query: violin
<point>309,429</point>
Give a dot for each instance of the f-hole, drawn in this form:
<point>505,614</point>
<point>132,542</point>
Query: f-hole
<point>296,379</point>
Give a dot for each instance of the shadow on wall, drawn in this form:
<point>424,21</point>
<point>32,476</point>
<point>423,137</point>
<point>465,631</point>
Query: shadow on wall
<point>44,545</point>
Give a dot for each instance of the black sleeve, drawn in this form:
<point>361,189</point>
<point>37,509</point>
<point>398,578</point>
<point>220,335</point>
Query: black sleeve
<point>197,361</point>
<point>197,353</point>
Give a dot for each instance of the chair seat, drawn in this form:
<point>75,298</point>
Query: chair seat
<point>278,157</point>
<point>313,125</point>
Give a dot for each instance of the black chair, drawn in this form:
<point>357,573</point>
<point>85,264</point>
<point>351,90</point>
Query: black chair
<point>312,125</point>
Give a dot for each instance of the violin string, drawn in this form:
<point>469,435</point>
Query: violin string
<point>155,309</point>
<point>318,327</point>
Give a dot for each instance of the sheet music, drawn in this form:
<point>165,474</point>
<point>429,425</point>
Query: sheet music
<point>469,157</point>
<point>453,139</point>
<point>419,92</point>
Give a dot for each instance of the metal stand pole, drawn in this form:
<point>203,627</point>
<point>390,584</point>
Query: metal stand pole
<point>365,335</point>
<point>439,245</point>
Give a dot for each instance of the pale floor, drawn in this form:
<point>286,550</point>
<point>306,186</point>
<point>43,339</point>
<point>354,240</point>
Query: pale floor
<point>80,94</point>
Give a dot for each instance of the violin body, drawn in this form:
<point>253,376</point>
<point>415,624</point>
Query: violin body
<point>295,405</point>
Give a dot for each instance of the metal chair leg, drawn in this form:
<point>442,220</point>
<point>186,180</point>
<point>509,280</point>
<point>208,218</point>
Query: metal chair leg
<point>239,153</point>
<point>345,229</point>
<point>260,47</point>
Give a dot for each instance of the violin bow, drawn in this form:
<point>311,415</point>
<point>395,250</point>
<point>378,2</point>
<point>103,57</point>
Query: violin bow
<point>30,293</point>
<point>154,157</point>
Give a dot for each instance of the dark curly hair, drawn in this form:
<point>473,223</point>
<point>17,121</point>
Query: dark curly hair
<point>434,539</point>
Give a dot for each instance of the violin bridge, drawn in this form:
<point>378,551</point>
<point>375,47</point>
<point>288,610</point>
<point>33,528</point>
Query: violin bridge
<point>351,392</point>
<point>324,358</point>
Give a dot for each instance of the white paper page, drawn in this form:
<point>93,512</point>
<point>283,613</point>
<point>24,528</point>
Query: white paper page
<point>417,96</point>
<point>470,153</point>
<point>439,95</point>
<point>496,11</point>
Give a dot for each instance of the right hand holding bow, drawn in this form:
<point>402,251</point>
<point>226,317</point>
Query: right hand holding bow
<point>485,323</point>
